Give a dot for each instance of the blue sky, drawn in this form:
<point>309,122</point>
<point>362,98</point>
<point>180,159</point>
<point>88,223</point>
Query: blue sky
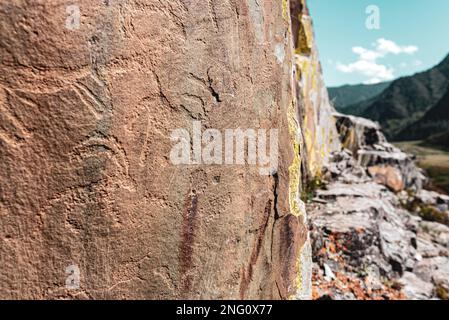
<point>413,36</point>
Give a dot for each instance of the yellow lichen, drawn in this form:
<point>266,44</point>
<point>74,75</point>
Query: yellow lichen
<point>295,167</point>
<point>285,9</point>
<point>305,36</point>
<point>299,276</point>
<point>315,143</point>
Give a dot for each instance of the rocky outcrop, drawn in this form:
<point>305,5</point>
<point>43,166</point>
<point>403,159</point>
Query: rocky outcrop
<point>91,205</point>
<point>386,163</point>
<point>371,239</point>
<point>315,111</point>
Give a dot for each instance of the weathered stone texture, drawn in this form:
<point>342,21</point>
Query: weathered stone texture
<point>387,164</point>
<point>364,233</point>
<point>318,124</point>
<point>86,179</point>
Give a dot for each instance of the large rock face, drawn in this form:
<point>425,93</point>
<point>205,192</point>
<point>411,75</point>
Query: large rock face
<point>87,182</point>
<point>318,123</point>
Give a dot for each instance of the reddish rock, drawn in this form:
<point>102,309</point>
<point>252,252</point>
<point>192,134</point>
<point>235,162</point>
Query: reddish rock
<point>86,180</point>
<point>388,176</point>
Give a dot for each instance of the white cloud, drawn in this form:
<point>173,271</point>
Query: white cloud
<point>417,63</point>
<point>365,54</point>
<point>374,71</point>
<point>385,47</point>
<point>367,64</point>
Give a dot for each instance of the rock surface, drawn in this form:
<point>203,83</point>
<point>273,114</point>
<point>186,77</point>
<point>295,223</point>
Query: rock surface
<point>92,207</point>
<point>87,185</point>
<point>372,236</point>
<point>390,165</point>
<point>315,111</point>
<point>388,176</point>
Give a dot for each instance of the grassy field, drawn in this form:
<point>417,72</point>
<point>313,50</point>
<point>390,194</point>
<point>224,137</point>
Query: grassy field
<point>434,161</point>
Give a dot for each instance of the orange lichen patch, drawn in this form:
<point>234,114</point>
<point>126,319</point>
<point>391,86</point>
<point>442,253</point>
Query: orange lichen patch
<point>323,251</point>
<point>331,248</point>
<point>347,284</point>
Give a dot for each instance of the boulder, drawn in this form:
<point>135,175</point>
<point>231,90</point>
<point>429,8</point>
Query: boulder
<point>357,133</point>
<point>388,176</point>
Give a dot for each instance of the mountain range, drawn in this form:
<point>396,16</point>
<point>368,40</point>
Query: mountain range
<point>434,121</point>
<point>410,108</point>
<point>348,95</point>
